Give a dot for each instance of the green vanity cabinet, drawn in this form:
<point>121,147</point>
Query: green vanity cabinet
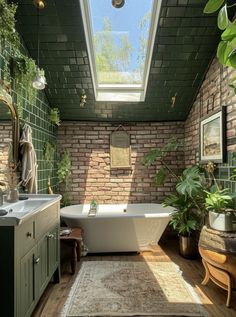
<point>29,259</point>
<point>26,292</point>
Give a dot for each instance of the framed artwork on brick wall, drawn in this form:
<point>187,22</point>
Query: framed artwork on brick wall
<point>213,137</point>
<point>120,152</point>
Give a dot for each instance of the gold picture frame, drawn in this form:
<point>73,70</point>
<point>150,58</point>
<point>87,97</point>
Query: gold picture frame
<point>120,150</point>
<point>213,137</point>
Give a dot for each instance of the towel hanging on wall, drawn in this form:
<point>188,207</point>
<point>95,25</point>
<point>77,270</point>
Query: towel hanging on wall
<point>29,161</point>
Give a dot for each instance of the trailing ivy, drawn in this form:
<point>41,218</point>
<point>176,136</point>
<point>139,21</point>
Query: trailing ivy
<point>226,51</point>
<point>7,24</point>
<point>23,67</point>
<point>54,116</point>
<point>63,174</point>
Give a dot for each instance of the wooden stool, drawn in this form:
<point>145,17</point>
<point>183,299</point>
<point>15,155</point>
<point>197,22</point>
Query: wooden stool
<point>218,261</point>
<point>73,240</point>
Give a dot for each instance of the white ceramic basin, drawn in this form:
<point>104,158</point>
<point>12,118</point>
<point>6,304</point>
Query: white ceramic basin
<point>22,209</point>
<point>25,206</point>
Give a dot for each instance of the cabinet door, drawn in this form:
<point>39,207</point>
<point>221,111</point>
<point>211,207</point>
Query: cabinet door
<point>41,266</point>
<point>53,250</point>
<point>26,292</point>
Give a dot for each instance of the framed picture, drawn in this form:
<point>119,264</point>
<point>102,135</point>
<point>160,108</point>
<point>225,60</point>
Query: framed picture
<point>212,137</point>
<point>120,151</point>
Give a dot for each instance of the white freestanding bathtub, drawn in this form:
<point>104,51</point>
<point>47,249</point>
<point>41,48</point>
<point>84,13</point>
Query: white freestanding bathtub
<point>119,227</point>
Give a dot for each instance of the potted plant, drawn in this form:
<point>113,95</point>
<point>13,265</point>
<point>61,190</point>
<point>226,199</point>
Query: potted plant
<point>221,207</point>
<point>185,220</point>
<point>188,216</point>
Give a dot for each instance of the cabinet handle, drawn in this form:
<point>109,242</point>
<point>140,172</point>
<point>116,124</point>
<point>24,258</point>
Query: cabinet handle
<point>50,236</point>
<point>29,234</point>
<point>36,261</point>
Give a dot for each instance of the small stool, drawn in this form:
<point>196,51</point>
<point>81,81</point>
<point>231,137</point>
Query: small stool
<point>73,240</point>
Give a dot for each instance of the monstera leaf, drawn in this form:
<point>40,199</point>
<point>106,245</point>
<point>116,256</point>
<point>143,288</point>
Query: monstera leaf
<point>151,156</point>
<point>160,177</point>
<point>190,182</point>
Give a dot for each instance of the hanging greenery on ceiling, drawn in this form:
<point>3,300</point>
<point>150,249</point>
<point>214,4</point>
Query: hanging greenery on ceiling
<point>17,63</point>
<point>226,51</point>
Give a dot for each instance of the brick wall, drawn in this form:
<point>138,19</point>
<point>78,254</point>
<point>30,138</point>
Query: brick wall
<point>5,140</point>
<point>89,146</point>
<point>213,94</point>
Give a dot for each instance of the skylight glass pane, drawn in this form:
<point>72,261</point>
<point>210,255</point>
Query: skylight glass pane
<point>120,39</point>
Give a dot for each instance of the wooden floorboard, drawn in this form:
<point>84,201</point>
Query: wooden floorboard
<point>212,297</point>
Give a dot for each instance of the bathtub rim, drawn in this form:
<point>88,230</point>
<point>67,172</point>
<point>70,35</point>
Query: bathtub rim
<point>84,215</point>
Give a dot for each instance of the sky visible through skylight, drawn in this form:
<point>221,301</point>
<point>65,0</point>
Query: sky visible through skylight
<point>120,38</point>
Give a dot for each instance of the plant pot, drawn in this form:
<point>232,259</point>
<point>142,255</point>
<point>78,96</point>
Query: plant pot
<point>221,222</point>
<point>188,247</point>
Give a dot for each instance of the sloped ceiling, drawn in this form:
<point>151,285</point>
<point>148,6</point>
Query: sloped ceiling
<point>185,44</point>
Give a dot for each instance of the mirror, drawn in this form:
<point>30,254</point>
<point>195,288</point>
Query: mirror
<point>9,132</point>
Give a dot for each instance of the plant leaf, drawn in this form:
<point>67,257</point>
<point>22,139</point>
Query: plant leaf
<point>223,51</point>
<point>232,60</point>
<point>160,177</point>
<point>213,5</point>
<point>151,156</point>
<point>229,33</point>
<point>190,182</point>
<point>222,20</point>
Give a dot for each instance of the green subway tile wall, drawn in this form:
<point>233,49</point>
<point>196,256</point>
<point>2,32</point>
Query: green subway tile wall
<point>225,172</point>
<point>34,111</point>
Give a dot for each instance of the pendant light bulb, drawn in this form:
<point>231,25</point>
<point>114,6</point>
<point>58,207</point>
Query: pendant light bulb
<point>39,82</point>
<point>40,4</point>
<point>118,3</point>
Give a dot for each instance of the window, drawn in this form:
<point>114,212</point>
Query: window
<point>120,44</point>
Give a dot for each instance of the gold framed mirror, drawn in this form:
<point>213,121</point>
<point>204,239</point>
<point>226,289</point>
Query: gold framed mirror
<point>9,132</point>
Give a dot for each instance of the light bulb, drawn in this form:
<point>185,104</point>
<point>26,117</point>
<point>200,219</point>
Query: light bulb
<point>39,82</point>
<point>118,3</point>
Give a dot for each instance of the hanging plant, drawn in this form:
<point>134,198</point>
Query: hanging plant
<point>226,51</point>
<point>63,174</point>
<point>48,153</point>
<point>64,168</point>
<point>7,24</point>
<point>54,116</point>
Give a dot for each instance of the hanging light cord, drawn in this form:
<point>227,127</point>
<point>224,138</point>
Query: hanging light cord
<point>38,44</point>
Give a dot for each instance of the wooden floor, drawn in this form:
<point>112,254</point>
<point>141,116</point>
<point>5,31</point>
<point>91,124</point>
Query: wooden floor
<point>212,297</point>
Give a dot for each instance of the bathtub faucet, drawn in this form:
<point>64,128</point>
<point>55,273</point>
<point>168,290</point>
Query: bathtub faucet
<point>93,208</point>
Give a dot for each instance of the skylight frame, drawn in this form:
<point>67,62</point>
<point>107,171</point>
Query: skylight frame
<point>100,89</point>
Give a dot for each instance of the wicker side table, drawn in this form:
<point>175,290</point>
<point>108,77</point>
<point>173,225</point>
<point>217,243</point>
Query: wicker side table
<point>218,252</point>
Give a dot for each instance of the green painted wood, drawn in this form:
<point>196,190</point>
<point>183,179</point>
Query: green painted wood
<point>27,284</point>
<point>41,267</point>
<point>22,279</point>
<point>53,250</point>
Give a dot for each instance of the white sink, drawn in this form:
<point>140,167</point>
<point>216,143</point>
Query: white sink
<point>25,206</point>
<point>18,211</point>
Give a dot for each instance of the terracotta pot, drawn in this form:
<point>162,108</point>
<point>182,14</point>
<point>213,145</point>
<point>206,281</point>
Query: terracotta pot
<point>188,247</point>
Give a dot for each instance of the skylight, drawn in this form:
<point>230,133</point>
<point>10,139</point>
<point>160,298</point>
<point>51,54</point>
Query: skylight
<point>120,44</point>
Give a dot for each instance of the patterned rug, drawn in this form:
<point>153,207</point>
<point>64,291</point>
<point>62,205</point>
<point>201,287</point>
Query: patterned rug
<point>112,288</point>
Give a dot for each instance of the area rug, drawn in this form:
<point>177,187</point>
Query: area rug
<point>116,288</point>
